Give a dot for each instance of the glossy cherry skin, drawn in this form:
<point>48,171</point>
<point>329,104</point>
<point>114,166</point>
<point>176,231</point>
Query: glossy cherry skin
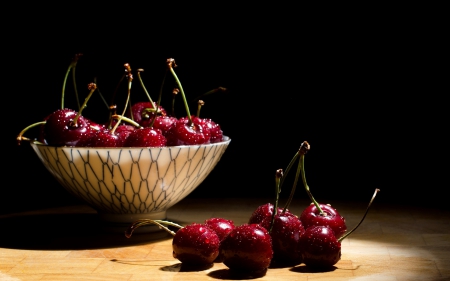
<point>319,247</point>
<point>265,211</point>
<point>143,117</point>
<point>145,137</point>
<point>60,131</point>
<point>247,247</point>
<point>222,227</point>
<point>311,216</point>
<point>214,128</point>
<point>183,133</point>
<point>196,244</point>
<point>164,123</point>
<point>285,232</point>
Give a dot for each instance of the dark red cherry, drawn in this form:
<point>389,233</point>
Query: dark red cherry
<point>285,232</point>
<point>196,244</point>
<point>164,122</point>
<point>183,132</point>
<point>61,128</point>
<point>319,247</point>
<point>214,128</point>
<point>247,247</point>
<point>222,227</point>
<point>145,137</point>
<point>331,217</point>
<point>142,113</point>
<point>265,211</point>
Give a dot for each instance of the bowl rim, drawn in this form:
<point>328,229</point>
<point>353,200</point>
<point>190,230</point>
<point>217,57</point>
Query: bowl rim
<point>226,140</point>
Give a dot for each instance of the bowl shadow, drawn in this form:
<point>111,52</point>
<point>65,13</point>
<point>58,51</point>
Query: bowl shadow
<point>67,232</point>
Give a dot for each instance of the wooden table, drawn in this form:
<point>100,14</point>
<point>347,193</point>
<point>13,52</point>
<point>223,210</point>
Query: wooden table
<point>392,244</point>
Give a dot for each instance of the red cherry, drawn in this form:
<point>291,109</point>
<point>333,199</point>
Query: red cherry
<point>214,128</point>
<point>247,247</point>
<point>145,137</point>
<point>222,227</point>
<point>285,232</point>
<point>196,244</point>
<point>319,247</point>
<point>142,115</point>
<point>164,122</point>
<point>61,128</point>
<point>183,132</point>
<point>265,211</point>
<point>312,216</point>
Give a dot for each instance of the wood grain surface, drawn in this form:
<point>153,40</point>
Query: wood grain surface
<point>394,243</point>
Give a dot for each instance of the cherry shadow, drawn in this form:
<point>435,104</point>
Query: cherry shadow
<point>306,269</point>
<point>228,274</point>
<point>67,232</point>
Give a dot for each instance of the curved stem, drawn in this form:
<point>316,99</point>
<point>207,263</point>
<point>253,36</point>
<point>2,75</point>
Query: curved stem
<point>20,136</point>
<point>161,223</point>
<point>365,213</point>
<point>92,87</point>
<point>278,176</point>
<point>171,64</point>
<point>143,86</point>
<point>291,196</point>
<point>304,148</point>
<point>71,65</point>
<point>130,80</point>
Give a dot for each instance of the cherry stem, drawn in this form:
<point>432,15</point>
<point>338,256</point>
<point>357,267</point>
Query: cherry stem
<point>365,213</point>
<point>304,148</point>
<point>130,80</point>
<point>72,65</point>
<point>161,223</point>
<point>171,64</point>
<point>219,89</point>
<point>126,119</point>
<point>200,103</point>
<point>291,164</point>
<point>162,87</point>
<point>174,95</point>
<point>278,176</point>
<point>20,136</point>
<point>92,87</point>
<point>143,86</point>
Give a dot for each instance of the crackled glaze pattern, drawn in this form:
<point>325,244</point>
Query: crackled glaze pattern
<point>131,180</point>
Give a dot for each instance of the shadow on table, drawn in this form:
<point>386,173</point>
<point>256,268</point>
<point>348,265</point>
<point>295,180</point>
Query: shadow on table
<point>68,232</point>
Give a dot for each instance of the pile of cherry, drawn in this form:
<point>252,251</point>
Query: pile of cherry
<point>272,234</point>
<point>143,124</point>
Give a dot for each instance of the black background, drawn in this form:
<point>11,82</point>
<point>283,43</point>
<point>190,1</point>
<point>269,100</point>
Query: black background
<point>362,89</point>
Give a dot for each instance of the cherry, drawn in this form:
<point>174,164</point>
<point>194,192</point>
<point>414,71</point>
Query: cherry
<point>319,246</point>
<point>164,122</point>
<point>145,137</point>
<point>248,247</point>
<point>285,230</point>
<point>222,227</point>
<point>311,215</point>
<point>185,132</point>
<point>196,244</point>
<point>144,112</point>
<point>265,211</point>
<point>65,127</point>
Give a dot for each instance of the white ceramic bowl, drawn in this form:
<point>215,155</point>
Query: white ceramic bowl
<point>126,184</point>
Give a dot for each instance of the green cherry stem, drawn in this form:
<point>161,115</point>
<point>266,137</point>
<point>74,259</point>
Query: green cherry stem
<point>278,176</point>
<point>126,119</point>
<point>200,103</point>
<point>20,136</point>
<point>130,80</point>
<point>161,223</point>
<point>92,87</point>
<point>291,164</point>
<point>174,96</point>
<point>72,66</point>
<point>365,213</point>
<point>143,86</point>
<point>171,64</point>
<point>304,148</point>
